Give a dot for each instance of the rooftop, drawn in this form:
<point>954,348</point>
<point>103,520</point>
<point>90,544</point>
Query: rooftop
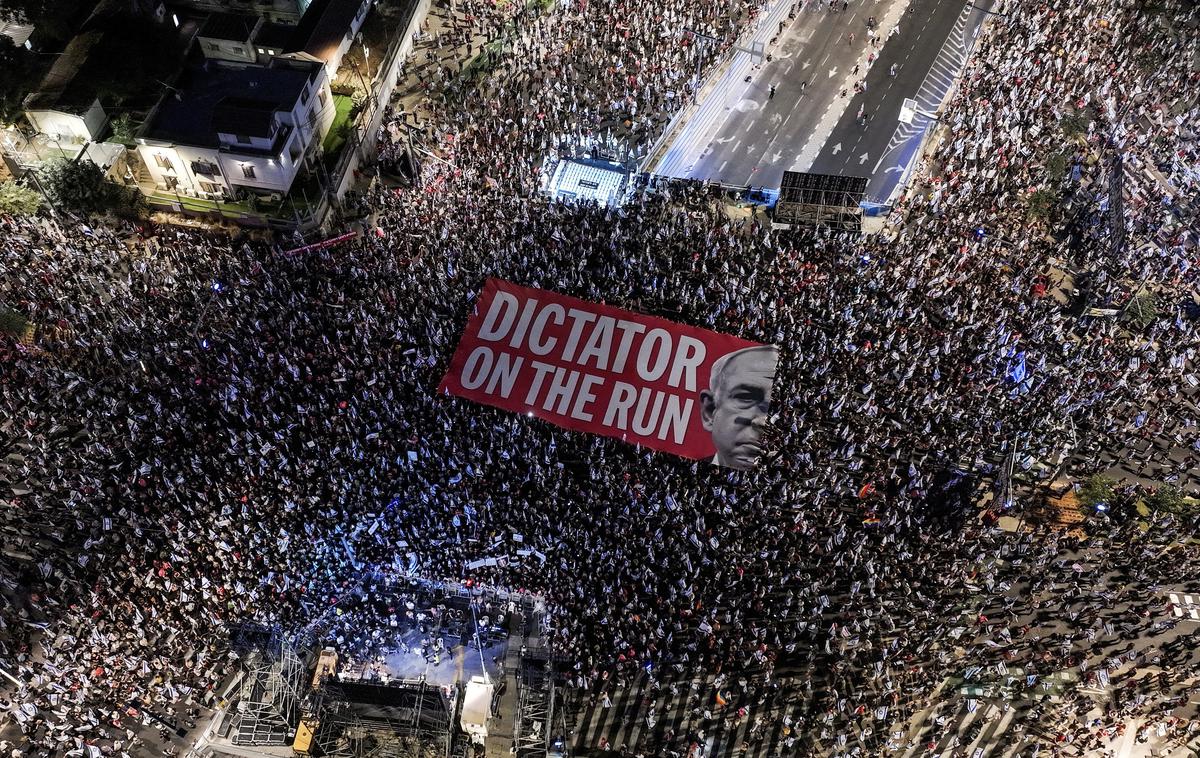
<point>218,97</point>
<point>273,35</point>
<point>247,116</point>
<point>58,88</point>
<point>323,27</point>
<point>234,27</point>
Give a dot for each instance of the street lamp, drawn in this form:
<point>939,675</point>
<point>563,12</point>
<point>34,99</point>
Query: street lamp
<point>756,51</point>
<point>909,111</point>
<point>988,10</point>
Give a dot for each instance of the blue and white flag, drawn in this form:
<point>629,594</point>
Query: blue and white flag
<point>1016,369</point>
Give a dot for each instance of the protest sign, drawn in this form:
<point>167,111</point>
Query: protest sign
<point>594,368</point>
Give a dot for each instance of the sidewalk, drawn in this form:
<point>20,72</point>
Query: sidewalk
<point>416,83</point>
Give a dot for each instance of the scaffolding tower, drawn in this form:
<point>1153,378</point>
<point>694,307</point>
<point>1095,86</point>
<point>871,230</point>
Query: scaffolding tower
<point>540,728</point>
<point>535,706</point>
<point>268,705</point>
<point>403,719</point>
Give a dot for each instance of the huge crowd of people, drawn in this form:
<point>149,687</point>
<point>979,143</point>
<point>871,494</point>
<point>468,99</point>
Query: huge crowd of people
<point>210,431</point>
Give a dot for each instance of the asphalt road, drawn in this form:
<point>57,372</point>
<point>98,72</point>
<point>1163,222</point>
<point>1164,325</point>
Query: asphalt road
<point>928,52</point>
<point>800,128</point>
<point>761,136</point>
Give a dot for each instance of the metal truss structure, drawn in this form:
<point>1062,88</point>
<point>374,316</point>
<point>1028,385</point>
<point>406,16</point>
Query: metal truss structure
<point>821,200</point>
<point>535,707</point>
<point>403,719</point>
<point>540,717</point>
<point>273,677</point>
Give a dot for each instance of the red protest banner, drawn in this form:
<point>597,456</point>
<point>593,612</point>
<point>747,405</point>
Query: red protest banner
<point>595,368</point>
<point>322,244</point>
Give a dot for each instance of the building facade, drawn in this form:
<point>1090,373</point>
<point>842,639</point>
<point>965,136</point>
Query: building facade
<point>232,131</point>
<point>280,11</point>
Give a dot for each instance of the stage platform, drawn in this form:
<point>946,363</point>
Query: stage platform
<point>588,179</point>
<point>457,664</point>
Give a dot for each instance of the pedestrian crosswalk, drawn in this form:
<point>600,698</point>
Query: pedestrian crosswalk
<point>657,720</point>
<point>937,83</point>
<point>977,729</point>
<point>620,716</point>
<point>1185,606</point>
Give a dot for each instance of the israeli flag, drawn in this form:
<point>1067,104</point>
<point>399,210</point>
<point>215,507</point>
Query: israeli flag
<point>1016,369</point>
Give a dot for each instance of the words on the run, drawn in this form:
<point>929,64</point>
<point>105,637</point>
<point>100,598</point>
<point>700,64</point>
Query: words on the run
<point>595,368</point>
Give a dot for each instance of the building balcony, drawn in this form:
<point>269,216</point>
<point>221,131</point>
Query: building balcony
<point>282,135</point>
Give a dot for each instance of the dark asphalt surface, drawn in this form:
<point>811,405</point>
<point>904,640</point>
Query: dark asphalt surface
<point>854,150</point>
<point>762,136</point>
<point>923,30</point>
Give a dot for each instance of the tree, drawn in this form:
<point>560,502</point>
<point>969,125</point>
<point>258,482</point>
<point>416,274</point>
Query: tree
<point>1056,166</point>
<point>1075,124</point>
<point>1041,204</point>
<point>16,200</point>
<point>1166,498</point>
<point>55,20</point>
<point>12,323</point>
<point>131,59</point>
<point>82,186</point>
<point>1142,310</point>
<point>1098,490</point>
<point>17,77</point>
<point>123,129</point>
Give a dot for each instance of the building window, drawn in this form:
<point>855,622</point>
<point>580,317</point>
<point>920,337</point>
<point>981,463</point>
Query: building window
<point>261,51</point>
<point>242,138</point>
<point>213,46</point>
<point>237,50</point>
<point>304,96</point>
<point>248,170</point>
<point>163,162</point>
<point>172,182</point>
<point>206,168</point>
<point>321,96</point>
<point>210,188</point>
<point>294,153</point>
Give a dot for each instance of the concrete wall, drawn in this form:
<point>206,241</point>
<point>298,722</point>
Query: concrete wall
<point>283,11</point>
<point>360,16</point>
<point>308,122</point>
<point>271,173</point>
<point>227,50</point>
<point>70,126</point>
<point>312,118</point>
<point>255,143</point>
<point>383,94</point>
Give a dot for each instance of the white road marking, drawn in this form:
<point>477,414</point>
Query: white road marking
<point>812,148</point>
<point>936,85</point>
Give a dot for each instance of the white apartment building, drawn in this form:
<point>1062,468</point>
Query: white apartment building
<point>230,129</point>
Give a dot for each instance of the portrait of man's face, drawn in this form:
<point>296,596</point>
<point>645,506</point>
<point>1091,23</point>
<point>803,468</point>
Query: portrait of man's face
<point>736,403</point>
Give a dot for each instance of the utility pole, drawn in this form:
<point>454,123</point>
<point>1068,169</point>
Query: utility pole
<point>708,40</point>
<point>756,52</point>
